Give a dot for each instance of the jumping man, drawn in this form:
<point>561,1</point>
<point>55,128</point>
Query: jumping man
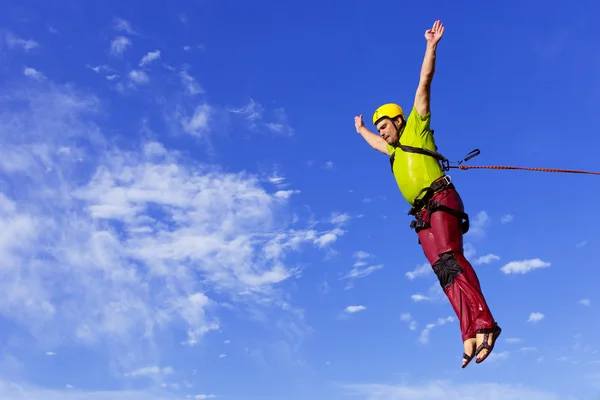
<point>440,220</point>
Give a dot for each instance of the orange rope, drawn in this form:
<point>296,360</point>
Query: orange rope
<point>572,171</point>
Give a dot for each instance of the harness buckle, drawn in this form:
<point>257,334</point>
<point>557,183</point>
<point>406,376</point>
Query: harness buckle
<point>447,180</point>
<point>418,225</point>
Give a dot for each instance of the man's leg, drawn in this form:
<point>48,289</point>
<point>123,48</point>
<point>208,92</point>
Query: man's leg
<point>457,277</point>
<point>459,303</point>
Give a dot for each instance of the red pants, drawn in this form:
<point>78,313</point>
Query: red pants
<point>442,243</point>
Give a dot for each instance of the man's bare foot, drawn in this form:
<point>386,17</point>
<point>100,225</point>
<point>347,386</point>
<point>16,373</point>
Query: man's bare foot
<point>469,353</point>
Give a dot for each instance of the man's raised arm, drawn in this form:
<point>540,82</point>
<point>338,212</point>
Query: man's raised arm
<point>422,97</point>
<point>374,140</point>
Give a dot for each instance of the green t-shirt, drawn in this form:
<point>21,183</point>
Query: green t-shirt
<point>413,171</point>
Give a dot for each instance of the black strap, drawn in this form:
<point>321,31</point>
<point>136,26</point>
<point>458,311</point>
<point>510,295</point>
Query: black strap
<point>426,152</point>
<point>434,206</point>
<point>444,163</point>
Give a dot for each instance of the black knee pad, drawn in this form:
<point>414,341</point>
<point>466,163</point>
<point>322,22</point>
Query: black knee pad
<point>447,268</point>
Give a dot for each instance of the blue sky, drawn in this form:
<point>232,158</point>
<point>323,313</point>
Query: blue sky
<point>188,212</point>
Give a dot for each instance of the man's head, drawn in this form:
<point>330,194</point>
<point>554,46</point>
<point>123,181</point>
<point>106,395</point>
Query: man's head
<point>389,120</point>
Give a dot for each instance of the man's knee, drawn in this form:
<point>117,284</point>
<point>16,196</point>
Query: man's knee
<point>447,268</point>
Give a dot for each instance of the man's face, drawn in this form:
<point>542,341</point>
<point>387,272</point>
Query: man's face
<point>388,130</point>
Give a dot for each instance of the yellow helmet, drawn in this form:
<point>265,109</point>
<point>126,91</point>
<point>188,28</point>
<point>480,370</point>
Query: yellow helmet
<point>389,110</point>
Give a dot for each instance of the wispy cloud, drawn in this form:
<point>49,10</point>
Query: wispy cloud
<point>478,224</point>
<point>445,390</point>
<point>14,41</point>
<point>149,57</point>
<point>406,317</point>
<point>139,77</point>
<point>119,45</point>
<point>513,340</point>
<point>361,268</point>
<point>192,87</point>
<point>425,333</point>
<point>505,219</point>
<point>121,25</point>
<point>420,270</point>
<point>486,259</point>
<point>253,112</point>
<point>535,317</point>
<point>354,309</point>
<point>419,297</point>
<point>524,266</point>
<point>585,302</point>
<point>96,228</point>
<point>33,73</point>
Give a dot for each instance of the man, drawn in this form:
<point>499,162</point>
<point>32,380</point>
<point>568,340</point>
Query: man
<point>436,205</point>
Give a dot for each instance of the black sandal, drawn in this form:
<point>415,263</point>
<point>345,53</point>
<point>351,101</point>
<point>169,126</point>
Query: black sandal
<point>468,358</point>
<point>495,331</point>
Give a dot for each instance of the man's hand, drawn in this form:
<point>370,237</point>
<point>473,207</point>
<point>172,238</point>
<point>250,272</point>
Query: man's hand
<point>434,34</point>
<point>359,123</point>
<point>373,139</point>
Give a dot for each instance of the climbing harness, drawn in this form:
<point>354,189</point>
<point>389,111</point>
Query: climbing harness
<point>445,182</point>
<point>426,203</point>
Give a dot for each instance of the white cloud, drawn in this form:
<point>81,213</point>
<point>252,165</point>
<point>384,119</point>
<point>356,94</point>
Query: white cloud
<point>119,45</point>
<point>340,218</point>
<point>204,396</point>
<point>499,355</point>
<point>361,255</point>
<point>469,250</point>
<point>513,340</point>
<point>478,223</point>
<point>198,123</point>
<point>420,270</point>
<point>150,371</point>
<point>358,272</point>
<point>524,266</point>
<point>425,333</point>
<point>192,87</point>
<point>535,317</point>
<point>33,73</point>
<point>149,57</point>
<point>286,194</point>
<point>354,309</point>
<point>193,47</point>
<point>581,244</point>
<point>406,317</point>
<point>14,41</point>
<point>253,113</point>
<point>486,259</point>
<point>280,124</point>
<point>19,391</point>
<point>328,238</point>
<point>360,268</point>
<point>50,353</point>
<point>419,297</point>
<point>121,25</point>
<point>446,390</point>
<point>585,302</point>
<point>505,219</point>
<point>139,77</point>
<point>94,230</point>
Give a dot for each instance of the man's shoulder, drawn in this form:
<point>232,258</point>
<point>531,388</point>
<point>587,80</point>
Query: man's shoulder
<point>415,117</point>
<point>417,125</point>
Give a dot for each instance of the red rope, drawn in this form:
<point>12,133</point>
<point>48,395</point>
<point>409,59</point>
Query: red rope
<point>572,171</point>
